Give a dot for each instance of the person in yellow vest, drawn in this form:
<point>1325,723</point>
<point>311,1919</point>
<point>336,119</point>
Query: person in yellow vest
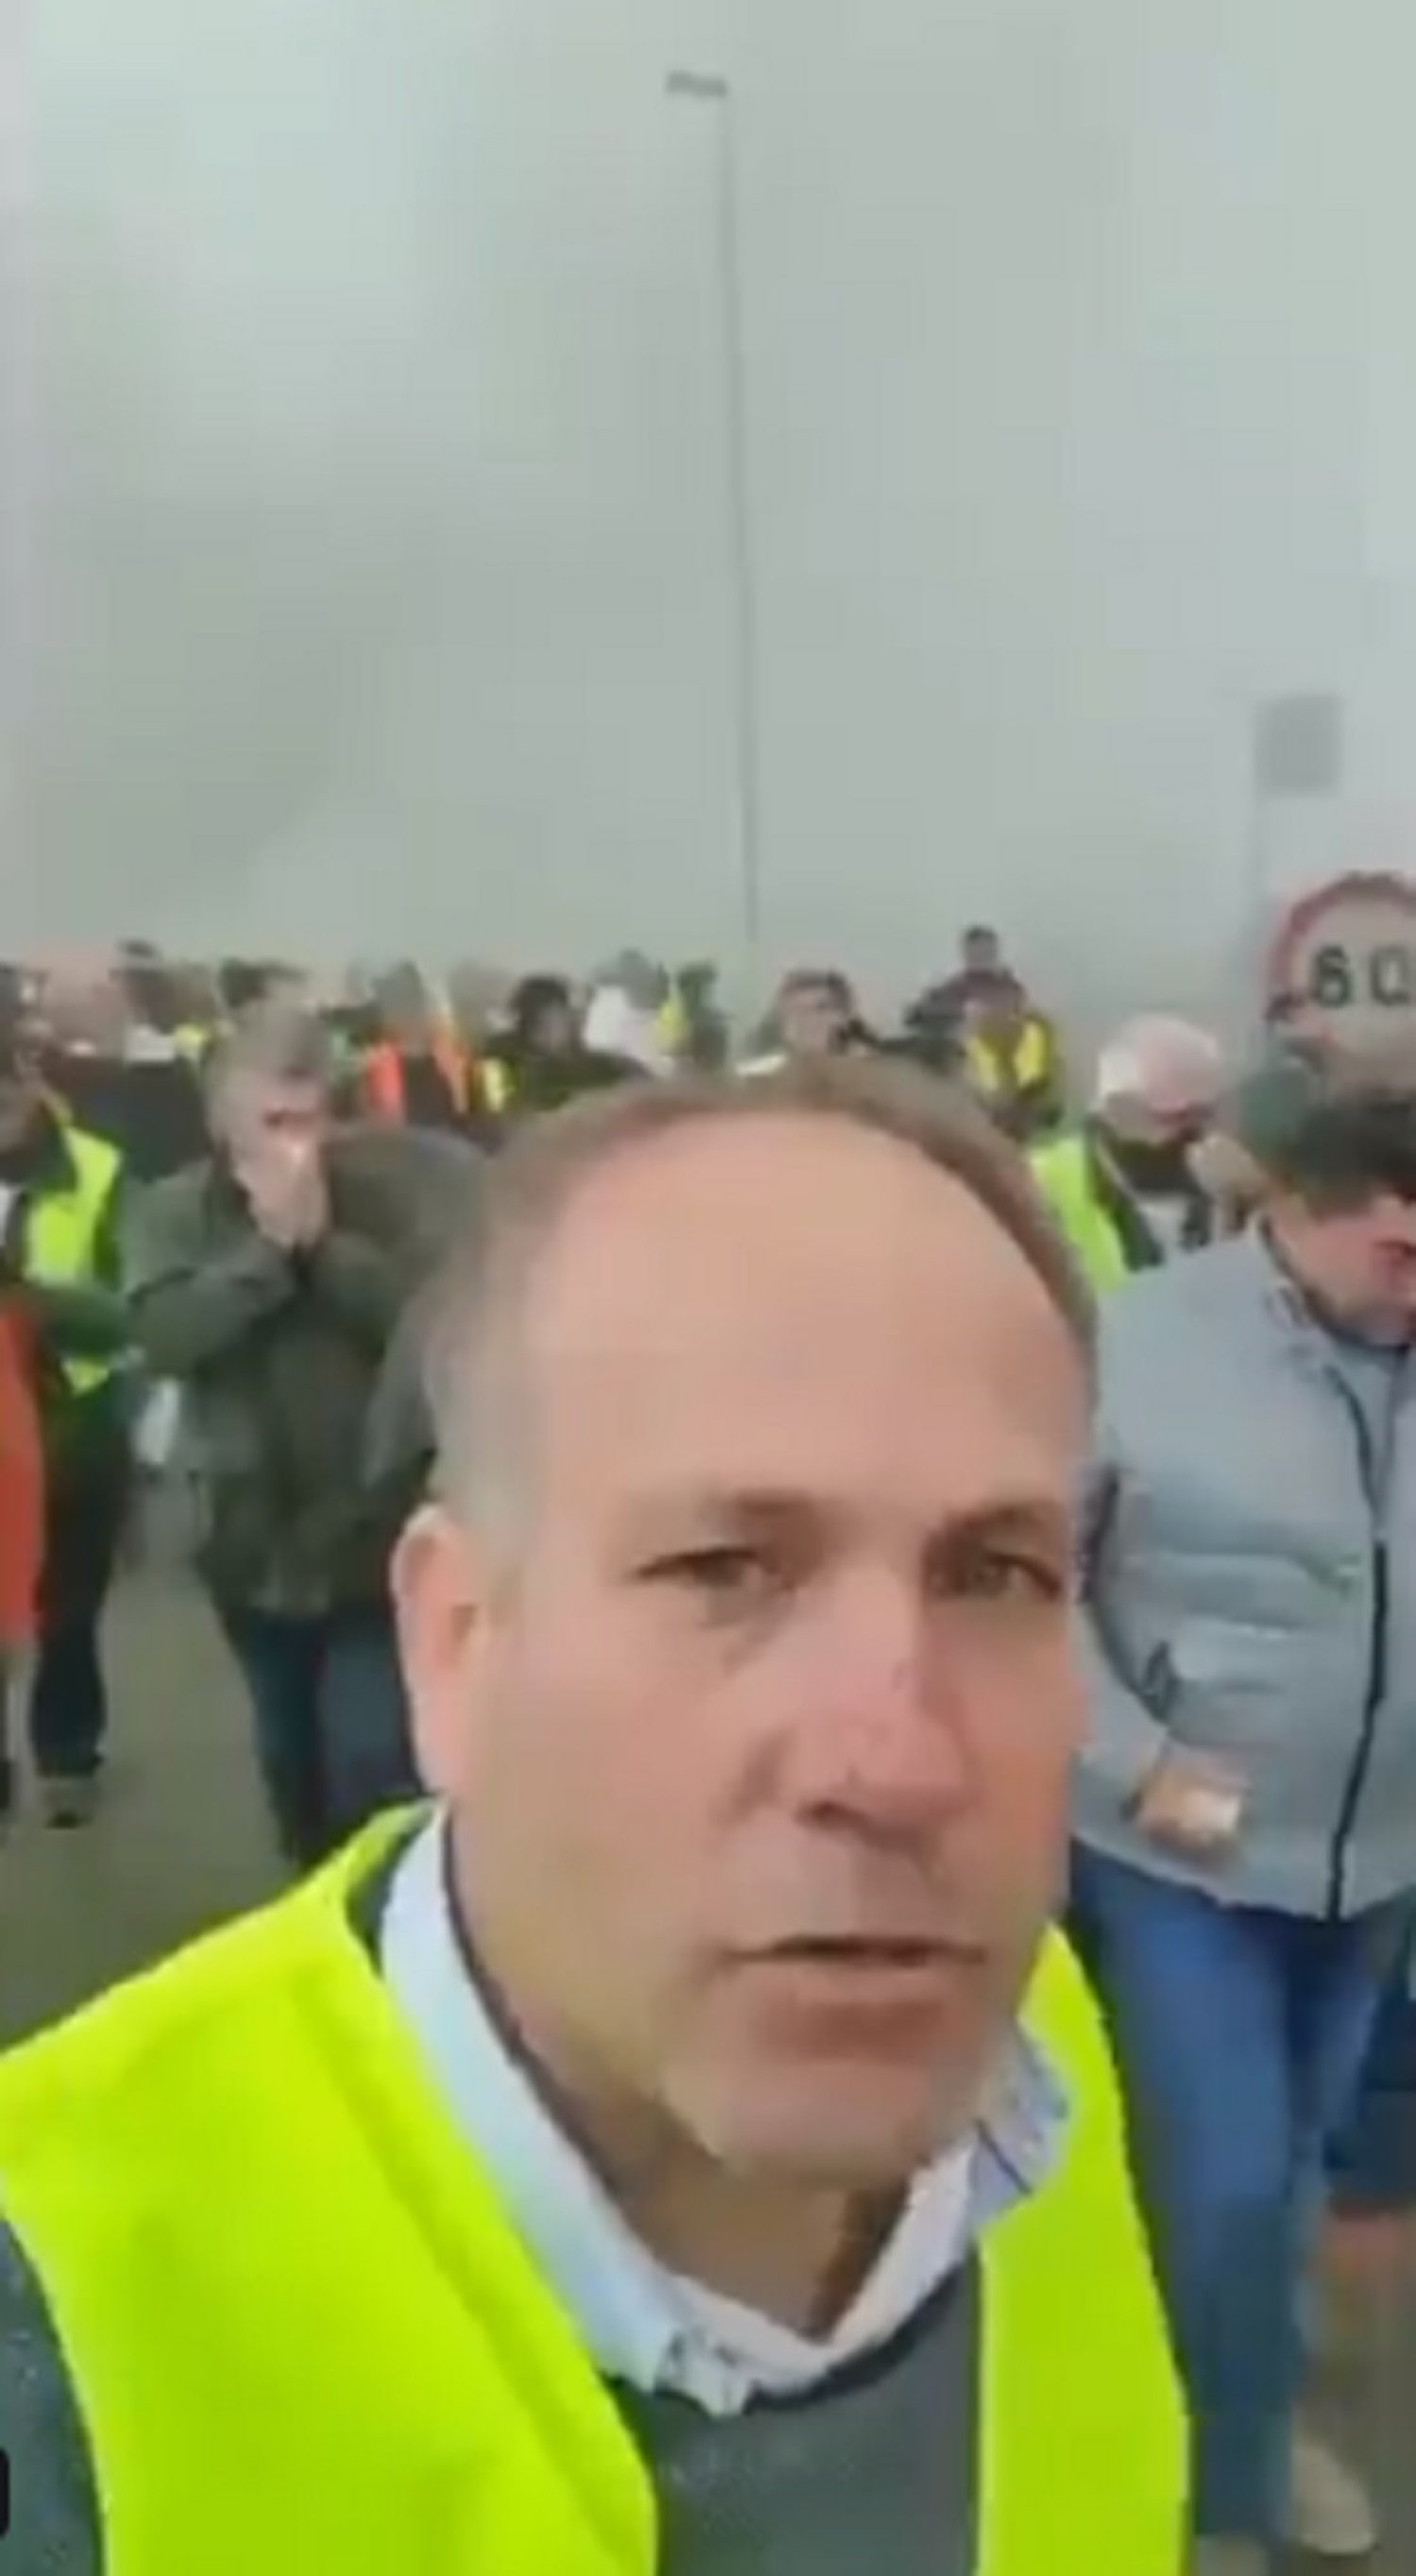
<point>59,1212</point>
<point>705,1043</point>
<point>541,1060</point>
<point>1129,1186</point>
<point>685,2148</point>
<point>1012,1057</point>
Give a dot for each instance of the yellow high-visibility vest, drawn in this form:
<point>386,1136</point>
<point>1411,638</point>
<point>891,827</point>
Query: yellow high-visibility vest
<point>671,1026</point>
<point>1030,1065</point>
<point>1064,1173</point>
<point>61,1234</point>
<point>497,1084</point>
<point>306,2340</point>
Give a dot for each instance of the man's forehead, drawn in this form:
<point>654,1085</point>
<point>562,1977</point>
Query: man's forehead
<point>839,1270</point>
<point>789,1194</point>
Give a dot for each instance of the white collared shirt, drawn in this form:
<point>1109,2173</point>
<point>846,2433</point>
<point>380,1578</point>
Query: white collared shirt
<point>640,2322</point>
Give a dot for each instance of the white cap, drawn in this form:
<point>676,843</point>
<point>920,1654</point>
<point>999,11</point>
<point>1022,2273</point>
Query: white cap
<point>1170,1067</point>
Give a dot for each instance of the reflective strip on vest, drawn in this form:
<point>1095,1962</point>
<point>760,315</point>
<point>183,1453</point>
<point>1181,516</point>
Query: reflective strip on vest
<point>368,2376</point>
<point>1064,1174</point>
<point>61,1236</point>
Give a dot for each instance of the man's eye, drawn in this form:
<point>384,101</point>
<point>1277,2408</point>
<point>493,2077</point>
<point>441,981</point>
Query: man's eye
<point>993,1576</point>
<point>717,1573</point>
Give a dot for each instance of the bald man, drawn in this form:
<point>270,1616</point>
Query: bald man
<point>682,2150</point>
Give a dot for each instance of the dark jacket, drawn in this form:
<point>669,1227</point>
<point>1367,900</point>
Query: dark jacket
<point>279,1356</point>
<point>150,1110</point>
<point>536,1083</point>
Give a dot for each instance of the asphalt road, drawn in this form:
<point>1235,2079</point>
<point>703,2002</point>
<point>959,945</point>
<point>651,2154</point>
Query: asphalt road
<point>181,1840</point>
<point>181,1843</point>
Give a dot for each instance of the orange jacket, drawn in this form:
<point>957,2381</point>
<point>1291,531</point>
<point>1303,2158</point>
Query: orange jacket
<point>382,1079</point>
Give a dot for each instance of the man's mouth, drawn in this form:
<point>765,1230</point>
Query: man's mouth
<point>877,1952</point>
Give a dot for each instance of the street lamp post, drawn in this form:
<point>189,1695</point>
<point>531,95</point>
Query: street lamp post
<point>712,94</point>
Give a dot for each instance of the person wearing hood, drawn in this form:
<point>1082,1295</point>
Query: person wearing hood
<point>1123,1185</point>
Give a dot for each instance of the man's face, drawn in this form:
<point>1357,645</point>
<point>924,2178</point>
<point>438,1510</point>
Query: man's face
<point>758,1739</point>
<point>553,1031</point>
<point>981,953</point>
<point>812,1019</point>
<point>1154,1147</point>
<point>1360,1265</point>
<point>259,1112</point>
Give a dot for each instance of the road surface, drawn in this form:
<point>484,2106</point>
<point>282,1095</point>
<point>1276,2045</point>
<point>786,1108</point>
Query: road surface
<point>182,1842</point>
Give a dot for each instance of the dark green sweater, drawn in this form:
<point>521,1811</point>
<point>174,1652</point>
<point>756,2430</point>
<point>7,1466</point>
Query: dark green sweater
<point>871,2474</point>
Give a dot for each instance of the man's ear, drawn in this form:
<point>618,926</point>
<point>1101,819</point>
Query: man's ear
<point>438,1600</point>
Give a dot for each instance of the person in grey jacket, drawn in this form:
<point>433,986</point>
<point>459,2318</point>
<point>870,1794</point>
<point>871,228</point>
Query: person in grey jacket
<point>270,1282</point>
<point>1246,1809</point>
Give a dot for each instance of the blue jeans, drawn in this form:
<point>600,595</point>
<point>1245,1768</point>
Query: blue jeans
<point>1240,2037</point>
<point>85,1510</point>
<point>1374,2169</point>
<point>331,1718</point>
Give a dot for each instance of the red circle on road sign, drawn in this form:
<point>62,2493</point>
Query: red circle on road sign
<point>1346,957</point>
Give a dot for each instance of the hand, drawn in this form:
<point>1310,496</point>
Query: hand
<point>285,1186</point>
<point>310,1191</point>
<point>1193,1805</point>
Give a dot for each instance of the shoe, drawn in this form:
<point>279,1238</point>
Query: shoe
<point>67,1804</point>
<point>1330,2513</point>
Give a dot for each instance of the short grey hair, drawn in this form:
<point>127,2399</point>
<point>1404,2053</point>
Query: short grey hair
<point>470,1323</point>
<point>281,1039</point>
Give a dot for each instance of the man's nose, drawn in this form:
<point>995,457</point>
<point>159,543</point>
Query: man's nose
<point>878,1737</point>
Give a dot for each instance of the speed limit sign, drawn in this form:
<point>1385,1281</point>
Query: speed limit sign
<point>1346,958</point>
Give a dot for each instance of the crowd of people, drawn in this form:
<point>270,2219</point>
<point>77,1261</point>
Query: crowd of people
<point>689,1494</point>
<point>221,1190</point>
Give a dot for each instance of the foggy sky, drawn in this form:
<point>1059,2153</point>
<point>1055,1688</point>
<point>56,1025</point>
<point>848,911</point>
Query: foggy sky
<point>374,585</point>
